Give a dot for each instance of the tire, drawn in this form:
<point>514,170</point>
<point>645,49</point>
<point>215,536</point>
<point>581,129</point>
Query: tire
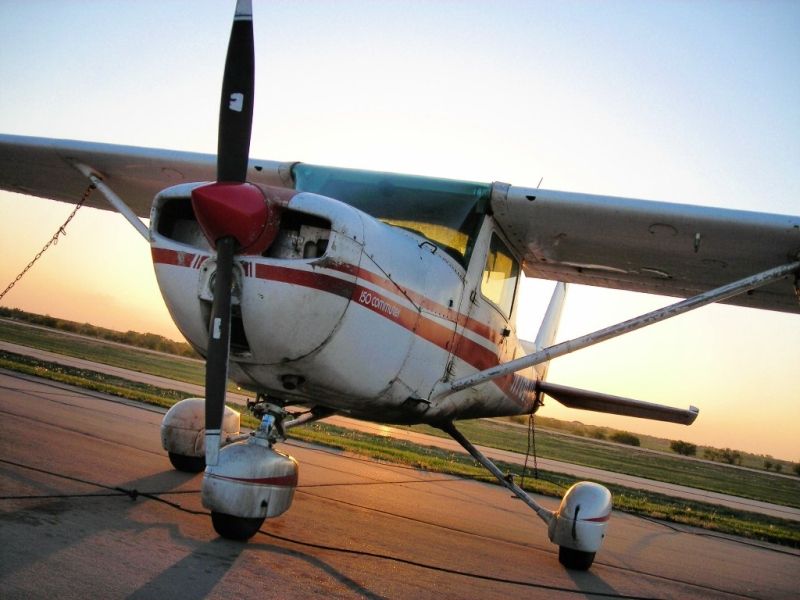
<point>240,529</point>
<point>187,464</point>
<point>576,560</point>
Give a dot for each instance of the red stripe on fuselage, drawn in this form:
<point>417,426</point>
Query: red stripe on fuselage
<point>187,259</point>
<point>309,279</point>
<point>173,257</point>
<point>471,352</point>
<point>426,303</point>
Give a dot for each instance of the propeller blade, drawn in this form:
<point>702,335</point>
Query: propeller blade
<point>219,339</point>
<point>219,211</point>
<point>236,104</point>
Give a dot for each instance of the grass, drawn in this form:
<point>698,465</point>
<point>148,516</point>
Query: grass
<point>91,380</point>
<point>177,368</point>
<point>576,428</point>
<point>707,516</point>
<point>633,461</point>
<point>151,341</point>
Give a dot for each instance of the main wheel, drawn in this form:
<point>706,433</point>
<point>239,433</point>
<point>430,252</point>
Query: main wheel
<point>188,464</point>
<point>235,528</point>
<point>575,559</point>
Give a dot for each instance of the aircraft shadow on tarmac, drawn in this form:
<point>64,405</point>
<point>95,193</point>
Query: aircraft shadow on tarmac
<point>173,581</point>
<point>194,576</point>
<point>49,505</point>
<point>591,583</point>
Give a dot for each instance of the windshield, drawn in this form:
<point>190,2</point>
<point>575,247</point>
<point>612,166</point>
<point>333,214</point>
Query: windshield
<point>446,212</point>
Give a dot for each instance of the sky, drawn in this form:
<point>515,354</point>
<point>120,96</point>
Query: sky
<point>689,102</point>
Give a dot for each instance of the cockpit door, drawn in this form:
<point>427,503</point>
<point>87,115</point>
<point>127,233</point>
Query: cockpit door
<point>483,335</point>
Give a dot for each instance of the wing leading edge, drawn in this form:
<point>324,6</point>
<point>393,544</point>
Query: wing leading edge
<point>654,247</point>
<point>45,167</point>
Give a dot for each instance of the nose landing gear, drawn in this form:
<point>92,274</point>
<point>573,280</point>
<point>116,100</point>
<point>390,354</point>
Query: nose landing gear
<point>251,481</point>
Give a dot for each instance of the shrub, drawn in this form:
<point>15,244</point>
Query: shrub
<point>732,457</point>
<point>599,434</point>
<point>623,437</point>
<point>684,448</point>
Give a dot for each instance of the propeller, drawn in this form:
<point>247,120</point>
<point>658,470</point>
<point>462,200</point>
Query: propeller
<point>236,103</point>
<point>234,215</point>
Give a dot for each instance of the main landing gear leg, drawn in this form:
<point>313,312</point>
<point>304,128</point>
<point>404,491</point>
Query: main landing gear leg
<point>577,527</point>
<point>544,514</point>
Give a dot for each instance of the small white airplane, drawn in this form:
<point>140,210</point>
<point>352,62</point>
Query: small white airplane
<point>385,297</point>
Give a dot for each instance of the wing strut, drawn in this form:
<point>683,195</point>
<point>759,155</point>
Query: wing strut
<point>114,200</point>
<point>656,316</point>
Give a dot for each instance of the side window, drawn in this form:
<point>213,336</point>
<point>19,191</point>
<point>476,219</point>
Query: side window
<point>500,276</point>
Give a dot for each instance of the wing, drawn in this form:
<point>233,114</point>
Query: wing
<point>670,249</point>
<point>45,167</point>
<point>655,247</point>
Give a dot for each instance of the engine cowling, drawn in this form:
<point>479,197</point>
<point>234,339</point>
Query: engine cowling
<point>582,518</point>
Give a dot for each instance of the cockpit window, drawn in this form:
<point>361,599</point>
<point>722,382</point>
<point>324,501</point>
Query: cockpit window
<point>500,276</point>
<point>446,212</point>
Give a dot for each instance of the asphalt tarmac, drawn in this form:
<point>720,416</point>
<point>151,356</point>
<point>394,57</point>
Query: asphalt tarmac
<point>90,508</point>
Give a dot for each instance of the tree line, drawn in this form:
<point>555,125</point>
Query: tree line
<point>150,341</point>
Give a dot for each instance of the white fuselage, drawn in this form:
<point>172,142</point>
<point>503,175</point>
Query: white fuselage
<point>347,312</point>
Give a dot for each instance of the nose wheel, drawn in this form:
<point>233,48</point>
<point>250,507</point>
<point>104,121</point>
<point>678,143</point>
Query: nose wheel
<point>235,528</point>
<point>251,481</point>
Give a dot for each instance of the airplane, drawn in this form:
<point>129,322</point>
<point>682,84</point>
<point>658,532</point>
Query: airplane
<point>387,297</point>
